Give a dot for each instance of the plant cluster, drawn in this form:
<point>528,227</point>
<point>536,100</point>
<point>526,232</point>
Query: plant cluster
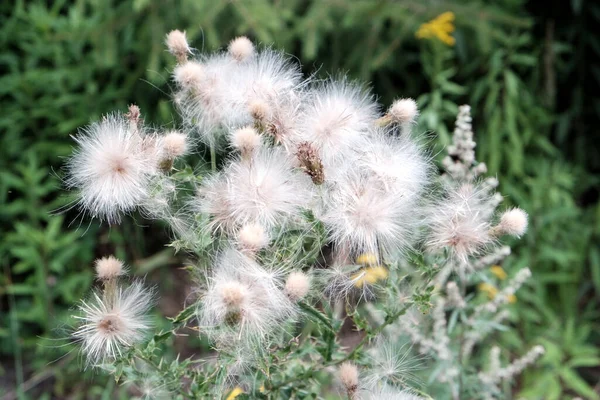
<point>318,211</point>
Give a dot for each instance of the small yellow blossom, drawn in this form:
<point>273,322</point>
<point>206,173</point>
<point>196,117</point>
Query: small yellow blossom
<point>498,272</point>
<point>369,275</point>
<point>367,259</point>
<point>492,291</point>
<point>439,27</point>
<point>235,393</point>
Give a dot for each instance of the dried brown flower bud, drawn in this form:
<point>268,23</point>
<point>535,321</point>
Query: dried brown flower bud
<point>310,162</point>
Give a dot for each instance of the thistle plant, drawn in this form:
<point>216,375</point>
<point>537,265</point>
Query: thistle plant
<point>328,254</point>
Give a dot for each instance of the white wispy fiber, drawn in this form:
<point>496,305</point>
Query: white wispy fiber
<point>243,300</point>
<point>218,93</point>
<point>266,189</point>
<point>387,392</point>
<point>374,201</point>
<point>112,167</point>
<point>109,268</point>
<point>336,115</point>
<point>251,238</point>
<point>513,222</point>
<point>460,223</point>
<point>403,111</point>
<point>391,364</point>
<point>113,321</point>
<point>397,163</point>
<point>241,48</point>
<point>363,216</point>
<point>297,285</point>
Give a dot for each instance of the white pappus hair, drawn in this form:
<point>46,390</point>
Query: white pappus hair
<point>265,189</point>
<point>460,222</point>
<point>337,114</point>
<point>112,167</point>
<point>243,300</point>
<point>113,321</point>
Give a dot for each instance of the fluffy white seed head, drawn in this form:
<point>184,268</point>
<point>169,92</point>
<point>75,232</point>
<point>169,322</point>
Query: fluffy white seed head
<point>233,294</point>
<point>461,223</point>
<point>241,48</point>
<point>243,300</point>
<point>113,322</point>
<point>336,116</point>
<point>246,140</point>
<point>189,75</point>
<point>109,268</point>
<point>403,111</point>
<point>259,110</point>
<point>513,222</point>
<point>175,144</point>
<point>348,373</point>
<point>177,45</point>
<point>112,167</point>
<point>365,218</point>
<point>297,285</point>
<point>252,237</point>
<point>265,190</point>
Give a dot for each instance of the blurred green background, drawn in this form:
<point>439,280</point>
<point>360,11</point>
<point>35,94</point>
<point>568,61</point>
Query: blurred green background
<point>529,70</point>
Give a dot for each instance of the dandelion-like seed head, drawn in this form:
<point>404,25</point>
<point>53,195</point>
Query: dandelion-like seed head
<point>348,374</point>
<point>109,268</point>
<point>364,217</point>
<point>335,118</point>
<point>403,111</point>
<point>513,222</point>
<point>266,190</point>
<point>252,237</point>
<point>241,48</point>
<point>246,140</point>
<point>297,285</point>
<point>175,144</point>
<point>259,110</point>
<point>113,322</point>
<point>177,45</point>
<point>189,76</point>
<point>233,294</point>
<point>243,301</point>
<point>112,167</point>
<point>460,223</point>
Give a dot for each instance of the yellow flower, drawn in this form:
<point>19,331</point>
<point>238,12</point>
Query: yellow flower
<point>488,288</point>
<point>367,259</point>
<point>492,291</point>
<point>235,393</point>
<point>498,272</point>
<point>439,27</point>
<point>369,275</point>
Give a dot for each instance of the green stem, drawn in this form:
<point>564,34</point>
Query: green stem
<point>213,158</point>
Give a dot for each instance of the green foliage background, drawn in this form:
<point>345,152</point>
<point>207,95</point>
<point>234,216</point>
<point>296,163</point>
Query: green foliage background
<point>528,70</point>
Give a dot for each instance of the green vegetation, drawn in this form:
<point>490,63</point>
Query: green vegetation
<point>528,74</point>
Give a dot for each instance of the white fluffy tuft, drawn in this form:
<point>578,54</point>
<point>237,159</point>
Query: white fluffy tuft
<point>241,48</point>
<point>113,322</point>
<point>109,268</point>
<point>297,285</point>
<point>243,300</point>
<point>175,144</point>
<point>252,237</point>
<point>403,111</point>
<point>265,189</point>
<point>513,222</point>
<point>189,76</point>
<point>112,167</point>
